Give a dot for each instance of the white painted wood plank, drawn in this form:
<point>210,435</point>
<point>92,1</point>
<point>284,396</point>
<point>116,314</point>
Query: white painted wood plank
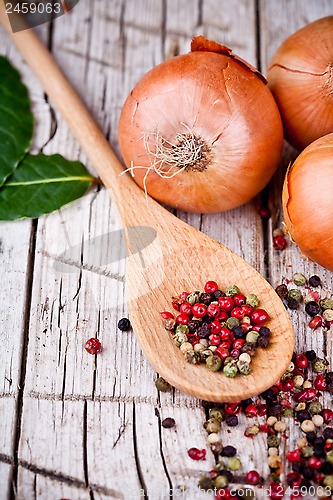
<point>5,475</point>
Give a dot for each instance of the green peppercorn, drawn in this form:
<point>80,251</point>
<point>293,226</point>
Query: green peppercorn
<point>162,385</point>
<point>213,363</point>
<point>252,300</point>
<point>215,413</point>
<point>273,441</point>
<point>243,367</point>
<point>204,355</point>
<point>230,361</point>
<point>232,290</point>
<point>232,322</point>
<point>252,430</point>
<point>234,463</point>
<point>182,329</point>
<point>230,370</point>
<point>219,466</point>
<point>179,338</point>
<point>319,365</point>
<point>212,425</point>
<point>326,303</point>
<point>328,481</point>
<point>169,324</point>
<point>221,482</point>
<point>288,412</point>
<point>252,337</point>
<point>329,457</point>
<point>192,357</point>
<point>205,483</point>
<point>216,448</point>
<point>299,279</point>
<point>315,407</point>
<point>294,294</point>
<point>193,298</point>
<point>307,451</point>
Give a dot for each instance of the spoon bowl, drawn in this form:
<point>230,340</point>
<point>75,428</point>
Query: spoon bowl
<point>179,259</point>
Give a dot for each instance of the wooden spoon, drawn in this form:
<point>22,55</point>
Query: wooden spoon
<point>180,258</point>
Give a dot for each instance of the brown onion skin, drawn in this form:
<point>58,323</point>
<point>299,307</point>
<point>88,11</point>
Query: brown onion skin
<point>300,76</point>
<point>225,103</point>
<point>308,201</point>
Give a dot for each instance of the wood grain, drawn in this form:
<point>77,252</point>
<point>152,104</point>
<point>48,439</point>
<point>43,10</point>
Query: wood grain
<point>106,47</point>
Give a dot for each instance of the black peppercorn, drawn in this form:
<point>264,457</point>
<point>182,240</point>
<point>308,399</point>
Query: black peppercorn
<point>238,332</point>
<point>319,452</point>
<point>296,467</point>
<point>320,441</point>
<point>124,324</point>
<point>314,281</point>
<point>311,355</point>
<point>293,304</point>
<point>193,325</point>
<point>203,332</point>
<point>263,342</point>
<point>311,436</point>
<point>228,451</point>
<point>246,402</point>
<point>307,472</point>
<point>328,433</point>
<point>206,298</point>
<point>229,475</point>
<point>249,348</point>
<point>326,468</point>
<point>231,420</point>
<point>303,415</point>
<point>329,377</point>
<point>264,331</point>
<point>275,410</point>
<point>218,294</point>
<point>312,308</point>
<point>282,291</point>
<point>329,388</point>
<point>168,422</point>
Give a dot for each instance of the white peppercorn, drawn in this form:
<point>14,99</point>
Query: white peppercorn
<point>317,420</point>
<point>307,426</point>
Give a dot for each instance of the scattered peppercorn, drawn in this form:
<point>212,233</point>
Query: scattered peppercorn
<point>168,423</point>
<point>312,308</point>
<point>314,281</point>
<point>124,324</point>
<point>282,291</point>
<point>93,346</point>
<point>162,385</point>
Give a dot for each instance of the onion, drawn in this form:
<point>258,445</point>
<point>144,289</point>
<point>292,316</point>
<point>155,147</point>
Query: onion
<point>301,79</point>
<point>308,202</point>
<point>201,132</point>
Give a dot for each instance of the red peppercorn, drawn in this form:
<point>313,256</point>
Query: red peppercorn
<point>276,490</point>
<point>316,322</point>
<point>224,334</point>
<point>213,310</point>
<point>239,299</point>
<point>232,408</point>
<point>211,287</point>
<point>186,308</point>
<point>247,309</point>
<point>166,315</point>
<point>264,213</point>
<point>237,313</point>
<point>279,242</point>
<point>93,346</point>
<point>222,352</point>
<point>264,428</point>
<point>259,316</point>
<point>226,303</point>
<point>287,385</point>
<point>319,478</point>
<point>320,382</point>
<point>215,326</point>
<point>214,339</point>
<point>328,447</point>
<point>183,296</point>
<point>223,316</point>
<point>327,415</point>
<point>262,410</point>
<point>301,361</point>
<point>175,305</point>
<point>196,454</point>
<point>235,353</point>
<point>305,395</point>
<point>255,328</point>
<point>225,345</point>
<point>315,463</point>
<point>238,343</point>
<point>285,403</point>
<point>294,456</point>
<point>251,411</point>
<point>182,319</point>
<point>199,310</point>
<point>252,477</point>
<point>231,337</point>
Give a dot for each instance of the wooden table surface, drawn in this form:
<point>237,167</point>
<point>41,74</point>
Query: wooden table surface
<point>71,428</point>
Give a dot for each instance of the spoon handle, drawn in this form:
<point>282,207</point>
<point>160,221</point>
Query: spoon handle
<point>70,105</point>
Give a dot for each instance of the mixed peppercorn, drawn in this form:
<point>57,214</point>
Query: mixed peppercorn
<point>220,329</point>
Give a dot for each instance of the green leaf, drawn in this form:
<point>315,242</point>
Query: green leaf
<point>42,184</point>
<point>16,119</point>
